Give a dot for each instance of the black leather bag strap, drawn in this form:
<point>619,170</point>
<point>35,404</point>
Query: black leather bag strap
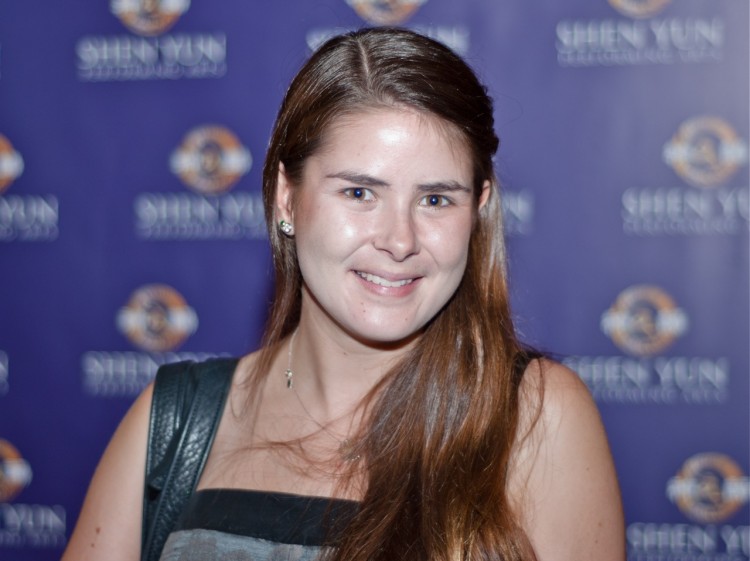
<point>187,405</point>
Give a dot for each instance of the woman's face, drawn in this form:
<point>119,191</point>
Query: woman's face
<point>382,220</point>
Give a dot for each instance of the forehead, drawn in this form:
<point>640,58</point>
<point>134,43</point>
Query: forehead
<point>392,124</point>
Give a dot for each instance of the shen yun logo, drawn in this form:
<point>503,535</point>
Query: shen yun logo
<point>149,17</point>
<point>23,217</point>
<point>15,472</point>
<point>709,488</point>
<point>11,164</point>
<point>644,320</point>
<point>640,37</point>
<point>157,318</point>
<point>705,151</point>
<point>639,8</point>
<point>210,160</point>
<point>149,52</point>
<point>25,525</point>
<point>385,12</point>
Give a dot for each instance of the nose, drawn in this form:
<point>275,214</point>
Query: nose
<point>397,234</point>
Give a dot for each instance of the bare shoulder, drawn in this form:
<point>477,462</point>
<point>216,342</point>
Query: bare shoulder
<point>109,526</point>
<point>563,478</point>
<point>554,393</point>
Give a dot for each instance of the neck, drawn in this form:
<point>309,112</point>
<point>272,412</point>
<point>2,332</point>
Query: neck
<point>334,371</point>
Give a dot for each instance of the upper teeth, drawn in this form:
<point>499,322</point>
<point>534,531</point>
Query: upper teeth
<point>383,282</point>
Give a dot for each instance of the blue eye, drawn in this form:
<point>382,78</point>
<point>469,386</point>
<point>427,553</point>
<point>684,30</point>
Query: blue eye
<point>359,194</point>
<point>435,201</point>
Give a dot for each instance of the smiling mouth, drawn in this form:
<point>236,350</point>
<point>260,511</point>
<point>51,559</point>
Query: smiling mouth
<point>380,281</point>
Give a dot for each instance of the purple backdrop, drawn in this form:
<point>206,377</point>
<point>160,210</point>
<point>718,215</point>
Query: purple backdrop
<point>131,227</point>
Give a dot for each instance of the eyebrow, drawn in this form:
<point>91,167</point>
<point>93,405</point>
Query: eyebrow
<point>442,186</point>
<point>368,181</point>
<point>359,179</point>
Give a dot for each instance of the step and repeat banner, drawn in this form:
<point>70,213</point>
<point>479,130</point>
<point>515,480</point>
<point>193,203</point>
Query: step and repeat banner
<point>132,135</point>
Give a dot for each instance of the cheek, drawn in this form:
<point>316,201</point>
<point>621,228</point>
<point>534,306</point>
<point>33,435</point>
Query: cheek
<point>342,230</point>
<point>325,237</point>
<point>450,246</point>
<point>349,229</point>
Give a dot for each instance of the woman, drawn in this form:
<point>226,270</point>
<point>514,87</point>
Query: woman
<point>391,385</point>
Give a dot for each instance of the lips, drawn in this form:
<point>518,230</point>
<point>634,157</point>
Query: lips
<point>380,281</point>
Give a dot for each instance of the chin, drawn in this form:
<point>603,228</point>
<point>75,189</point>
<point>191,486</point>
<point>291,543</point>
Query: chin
<point>385,336</point>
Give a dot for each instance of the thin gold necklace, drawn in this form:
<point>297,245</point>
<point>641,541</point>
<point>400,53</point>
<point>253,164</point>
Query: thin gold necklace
<point>345,449</point>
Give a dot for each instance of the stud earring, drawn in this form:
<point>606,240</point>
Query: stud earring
<point>286,228</point>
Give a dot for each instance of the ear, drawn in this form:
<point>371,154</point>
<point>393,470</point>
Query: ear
<point>484,196</point>
<point>284,198</point>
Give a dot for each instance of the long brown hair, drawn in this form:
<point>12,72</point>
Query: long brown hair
<point>440,431</point>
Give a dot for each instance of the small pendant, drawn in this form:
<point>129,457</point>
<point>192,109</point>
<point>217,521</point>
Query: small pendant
<point>289,381</point>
